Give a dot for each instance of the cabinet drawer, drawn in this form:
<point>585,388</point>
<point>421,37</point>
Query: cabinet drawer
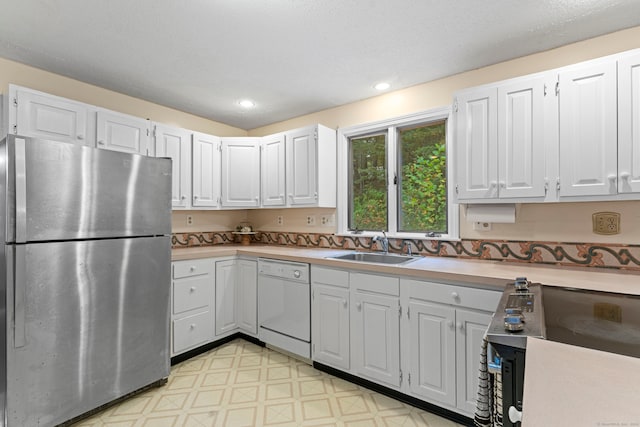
<point>375,283</point>
<point>192,331</point>
<point>479,299</point>
<point>192,293</point>
<point>194,267</point>
<point>329,276</point>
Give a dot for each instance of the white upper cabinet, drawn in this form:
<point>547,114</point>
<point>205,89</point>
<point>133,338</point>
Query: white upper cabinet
<point>273,170</point>
<point>521,138</point>
<point>241,172</point>
<point>41,115</point>
<point>629,123</point>
<point>206,175</point>
<point>476,144</point>
<point>500,140</point>
<point>175,143</point>
<point>588,129</point>
<point>124,133</point>
<point>311,166</point>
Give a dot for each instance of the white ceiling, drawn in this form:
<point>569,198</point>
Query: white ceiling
<point>292,57</point>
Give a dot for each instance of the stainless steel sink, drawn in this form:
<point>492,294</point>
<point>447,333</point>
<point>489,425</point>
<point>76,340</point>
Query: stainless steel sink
<point>375,257</point>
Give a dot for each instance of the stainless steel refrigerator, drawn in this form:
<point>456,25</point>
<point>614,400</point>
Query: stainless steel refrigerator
<point>85,271</point>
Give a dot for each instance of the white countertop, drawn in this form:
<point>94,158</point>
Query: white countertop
<point>476,273</point>
<point>566,385</point>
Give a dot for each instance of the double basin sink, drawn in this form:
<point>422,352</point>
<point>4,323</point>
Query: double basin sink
<point>377,258</point>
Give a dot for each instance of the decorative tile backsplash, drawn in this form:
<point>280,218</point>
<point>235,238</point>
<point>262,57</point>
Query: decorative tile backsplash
<point>618,256</point>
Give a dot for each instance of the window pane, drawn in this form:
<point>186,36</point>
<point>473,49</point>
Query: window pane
<point>368,183</point>
<point>422,190</point>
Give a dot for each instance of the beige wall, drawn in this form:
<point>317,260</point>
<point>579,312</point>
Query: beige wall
<point>34,78</point>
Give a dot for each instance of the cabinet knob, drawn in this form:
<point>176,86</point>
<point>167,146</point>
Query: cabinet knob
<point>359,306</point>
<point>450,324</point>
<point>460,326</point>
<point>192,289</point>
<point>80,137</point>
<point>192,326</point>
<point>99,142</point>
<point>192,268</point>
<point>455,296</point>
<point>344,302</point>
<point>625,175</point>
<point>195,197</point>
<point>296,274</point>
<point>183,197</point>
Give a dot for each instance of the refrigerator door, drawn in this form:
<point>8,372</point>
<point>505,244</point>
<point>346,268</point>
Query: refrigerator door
<point>88,323</point>
<point>61,191</point>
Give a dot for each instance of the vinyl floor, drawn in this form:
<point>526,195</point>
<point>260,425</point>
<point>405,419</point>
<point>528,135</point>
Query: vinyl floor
<point>242,384</point>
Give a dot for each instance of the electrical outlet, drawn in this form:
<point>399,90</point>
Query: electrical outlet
<point>482,226</point>
<point>311,220</point>
<point>279,220</point>
<point>189,219</point>
<point>606,223</point>
<point>328,220</point>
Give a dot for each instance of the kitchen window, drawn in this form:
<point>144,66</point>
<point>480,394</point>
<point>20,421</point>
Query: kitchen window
<point>394,177</point>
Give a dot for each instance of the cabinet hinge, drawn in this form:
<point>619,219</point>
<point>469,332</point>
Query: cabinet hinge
<point>395,179</point>
<point>456,188</point>
<point>220,148</point>
<point>313,348</point>
<point>408,312</point>
<point>399,311</point>
<point>315,136</point>
<point>15,101</point>
<point>15,129</point>
<point>546,186</point>
<point>400,376</point>
<point>558,184</point>
<point>557,88</point>
<point>544,90</point>
<point>409,378</point>
<point>455,105</point>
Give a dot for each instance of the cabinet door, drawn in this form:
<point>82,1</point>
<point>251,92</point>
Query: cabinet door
<point>588,130</point>
<point>226,319</point>
<point>521,124</point>
<point>330,325</point>
<point>247,295</point>
<point>176,144</point>
<point>205,163</point>
<point>50,117</point>
<point>476,144</point>
<point>273,170</point>
<point>302,186</point>
<point>471,327</point>
<point>119,132</point>
<point>629,124</point>
<point>432,351</point>
<point>375,337</point>
<point>241,172</point>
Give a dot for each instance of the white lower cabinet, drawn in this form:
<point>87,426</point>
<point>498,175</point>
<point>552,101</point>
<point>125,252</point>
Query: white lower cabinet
<point>330,317</point>
<point>442,340</point>
<point>192,302</point>
<point>375,328</point>
<point>421,338</point>
<point>236,296</point>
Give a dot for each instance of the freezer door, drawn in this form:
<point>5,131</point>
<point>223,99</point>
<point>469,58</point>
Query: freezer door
<point>88,323</point>
<point>61,191</point>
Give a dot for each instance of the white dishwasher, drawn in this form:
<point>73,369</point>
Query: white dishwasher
<point>284,306</point>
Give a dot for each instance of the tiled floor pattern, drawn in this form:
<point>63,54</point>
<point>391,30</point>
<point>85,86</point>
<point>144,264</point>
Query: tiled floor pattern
<point>242,384</point>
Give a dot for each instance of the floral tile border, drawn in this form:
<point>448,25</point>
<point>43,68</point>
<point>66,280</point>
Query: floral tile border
<point>615,256</point>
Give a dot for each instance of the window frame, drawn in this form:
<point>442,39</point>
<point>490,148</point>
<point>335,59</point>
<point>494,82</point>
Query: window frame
<point>391,126</point>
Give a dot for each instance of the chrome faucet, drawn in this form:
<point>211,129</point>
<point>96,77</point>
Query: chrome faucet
<point>383,240</point>
<point>407,245</point>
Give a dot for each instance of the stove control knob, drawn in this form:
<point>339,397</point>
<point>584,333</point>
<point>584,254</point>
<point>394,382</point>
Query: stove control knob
<point>521,284</point>
<point>513,322</point>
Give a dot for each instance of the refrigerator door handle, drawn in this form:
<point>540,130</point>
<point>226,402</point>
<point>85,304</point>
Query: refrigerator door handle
<point>21,190</point>
<point>19,309</point>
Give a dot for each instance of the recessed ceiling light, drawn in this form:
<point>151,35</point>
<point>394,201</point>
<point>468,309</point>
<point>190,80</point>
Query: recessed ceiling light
<point>247,103</point>
<point>382,86</point>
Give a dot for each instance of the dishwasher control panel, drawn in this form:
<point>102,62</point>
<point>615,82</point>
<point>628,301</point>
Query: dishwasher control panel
<point>287,270</point>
